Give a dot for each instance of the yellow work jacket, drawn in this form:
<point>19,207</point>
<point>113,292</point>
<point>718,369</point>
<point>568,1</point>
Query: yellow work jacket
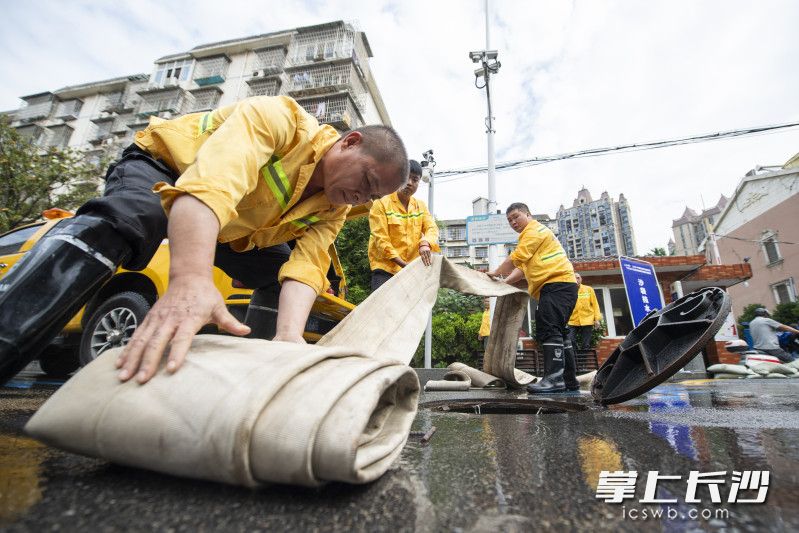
<point>397,232</point>
<point>485,324</point>
<point>586,310</point>
<point>541,257</point>
<point>249,163</point>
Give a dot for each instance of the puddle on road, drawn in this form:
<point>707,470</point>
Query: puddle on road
<point>20,475</point>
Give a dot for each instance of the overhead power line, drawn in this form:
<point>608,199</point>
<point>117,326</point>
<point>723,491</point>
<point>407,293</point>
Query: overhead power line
<point>456,174</point>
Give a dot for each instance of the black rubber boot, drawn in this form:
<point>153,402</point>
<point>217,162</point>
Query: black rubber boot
<point>262,312</point>
<point>553,365</point>
<point>570,367</point>
<point>45,289</point>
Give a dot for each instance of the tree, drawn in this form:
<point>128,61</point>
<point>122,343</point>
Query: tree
<point>657,251</point>
<point>787,313</point>
<point>352,245</point>
<point>33,179</point>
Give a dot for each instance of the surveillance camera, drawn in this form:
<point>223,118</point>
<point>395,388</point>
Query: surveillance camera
<point>491,54</point>
<point>476,56</point>
<point>427,153</point>
<point>480,72</point>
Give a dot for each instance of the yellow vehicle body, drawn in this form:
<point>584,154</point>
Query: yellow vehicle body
<point>153,280</point>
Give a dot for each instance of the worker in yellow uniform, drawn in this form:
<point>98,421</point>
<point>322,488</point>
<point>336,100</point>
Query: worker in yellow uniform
<point>585,317</point>
<point>229,188</point>
<point>540,259</point>
<point>401,229</point>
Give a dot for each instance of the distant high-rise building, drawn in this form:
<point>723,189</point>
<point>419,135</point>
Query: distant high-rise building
<point>324,67</point>
<point>596,228</point>
<point>691,228</point>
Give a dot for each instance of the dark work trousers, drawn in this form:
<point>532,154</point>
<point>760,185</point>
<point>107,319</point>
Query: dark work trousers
<point>136,212</point>
<point>581,337</point>
<point>380,276</point>
<point>555,306</point>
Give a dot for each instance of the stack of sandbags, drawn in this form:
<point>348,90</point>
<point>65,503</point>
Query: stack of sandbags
<point>756,367</point>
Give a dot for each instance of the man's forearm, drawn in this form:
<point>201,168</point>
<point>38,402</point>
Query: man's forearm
<point>296,300</point>
<point>193,230</point>
<point>505,268</point>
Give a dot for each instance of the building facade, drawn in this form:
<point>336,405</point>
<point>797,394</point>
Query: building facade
<point>759,226</point>
<point>596,228</point>
<point>324,67</point>
<point>691,229</point>
<point>455,247</point>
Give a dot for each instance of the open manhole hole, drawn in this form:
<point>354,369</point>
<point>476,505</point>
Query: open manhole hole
<point>509,406</point>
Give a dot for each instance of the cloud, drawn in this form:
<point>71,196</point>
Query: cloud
<point>574,75</point>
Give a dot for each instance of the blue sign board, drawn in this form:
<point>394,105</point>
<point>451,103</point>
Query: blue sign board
<point>641,284</point>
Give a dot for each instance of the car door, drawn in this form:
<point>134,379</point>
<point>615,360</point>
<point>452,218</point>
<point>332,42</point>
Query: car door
<point>12,245</point>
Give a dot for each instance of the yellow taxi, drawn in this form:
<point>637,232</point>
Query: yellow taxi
<point>109,319</point>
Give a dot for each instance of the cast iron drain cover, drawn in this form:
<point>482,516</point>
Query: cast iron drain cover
<point>660,345</point>
<point>509,406</point>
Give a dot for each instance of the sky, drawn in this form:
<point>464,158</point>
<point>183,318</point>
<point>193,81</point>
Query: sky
<point>574,75</point>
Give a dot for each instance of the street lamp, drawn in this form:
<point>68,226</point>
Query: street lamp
<point>428,167</point>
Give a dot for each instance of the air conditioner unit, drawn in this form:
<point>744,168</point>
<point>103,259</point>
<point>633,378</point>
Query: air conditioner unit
<point>171,82</point>
<point>256,73</point>
<point>104,114</point>
<point>108,142</point>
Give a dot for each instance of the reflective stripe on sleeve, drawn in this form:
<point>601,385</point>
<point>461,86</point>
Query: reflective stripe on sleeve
<point>277,181</point>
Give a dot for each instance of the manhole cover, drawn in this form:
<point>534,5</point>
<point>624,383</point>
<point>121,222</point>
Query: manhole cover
<point>509,406</point>
<point>660,345</point>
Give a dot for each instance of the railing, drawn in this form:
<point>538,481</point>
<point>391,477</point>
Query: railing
<point>327,78</point>
<point>35,111</point>
<point>175,101</point>
<point>338,111</point>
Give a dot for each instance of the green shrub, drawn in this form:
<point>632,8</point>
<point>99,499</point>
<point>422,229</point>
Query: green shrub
<point>454,340</point>
<point>787,313</point>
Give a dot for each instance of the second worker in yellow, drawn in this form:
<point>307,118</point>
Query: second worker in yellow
<point>401,229</point>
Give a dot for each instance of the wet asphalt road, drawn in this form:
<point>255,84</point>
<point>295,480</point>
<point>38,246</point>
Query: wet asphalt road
<point>479,472</point>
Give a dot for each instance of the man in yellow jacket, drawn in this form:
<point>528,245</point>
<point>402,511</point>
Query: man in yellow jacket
<point>231,186</point>
<point>585,317</point>
<point>401,229</point>
<point>540,259</point>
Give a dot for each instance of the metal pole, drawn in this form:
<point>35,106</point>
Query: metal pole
<point>428,332</point>
<point>493,256</point>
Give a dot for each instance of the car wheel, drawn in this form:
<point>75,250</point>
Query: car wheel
<point>112,324</point>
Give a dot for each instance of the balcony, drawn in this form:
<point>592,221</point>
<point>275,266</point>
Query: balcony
<point>68,109</point>
<point>116,103</point>
<point>37,109</point>
<point>327,78</point>
<point>337,110</point>
<point>166,102</point>
<point>36,134</point>
<point>211,70</point>
<point>266,86</point>
<point>205,99</point>
<point>60,136</point>
<point>268,62</point>
<point>326,43</point>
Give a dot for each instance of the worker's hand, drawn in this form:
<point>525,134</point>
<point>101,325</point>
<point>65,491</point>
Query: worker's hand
<point>400,262</point>
<point>424,253</point>
<point>597,324</point>
<point>189,303</point>
<point>493,274</point>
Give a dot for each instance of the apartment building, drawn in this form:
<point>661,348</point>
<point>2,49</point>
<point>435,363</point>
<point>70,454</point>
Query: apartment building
<point>691,229</point>
<point>324,67</point>
<point>596,228</point>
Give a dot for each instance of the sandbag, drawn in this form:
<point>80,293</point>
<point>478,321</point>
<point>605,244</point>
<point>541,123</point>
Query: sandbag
<point>724,368</point>
<point>250,411</point>
<point>765,369</point>
<point>723,375</point>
